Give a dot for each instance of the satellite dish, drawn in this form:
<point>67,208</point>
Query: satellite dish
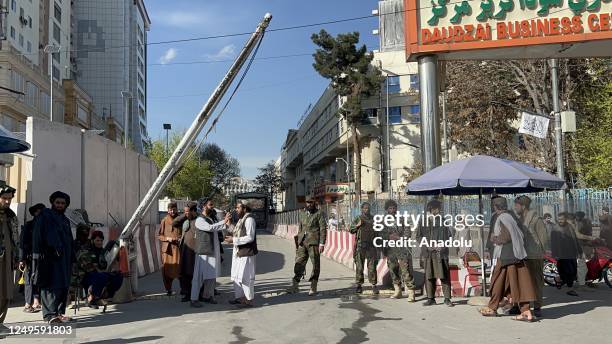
<point>9,143</point>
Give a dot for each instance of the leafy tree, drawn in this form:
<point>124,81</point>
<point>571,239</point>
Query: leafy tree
<point>193,179</point>
<point>223,166</point>
<point>352,76</point>
<point>479,127</point>
<point>269,181</point>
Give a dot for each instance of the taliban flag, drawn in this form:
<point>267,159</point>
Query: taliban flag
<point>533,125</point>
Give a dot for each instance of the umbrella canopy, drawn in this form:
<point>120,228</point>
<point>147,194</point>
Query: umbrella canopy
<point>9,143</point>
<point>483,174</point>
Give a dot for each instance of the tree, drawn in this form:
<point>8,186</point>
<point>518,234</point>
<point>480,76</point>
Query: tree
<point>223,166</point>
<point>269,181</point>
<point>193,179</point>
<point>472,85</point>
<point>593,140</point>
<point>352,76</point>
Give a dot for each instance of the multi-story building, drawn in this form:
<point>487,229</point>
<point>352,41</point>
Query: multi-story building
<point>318,158</point>
<point>111,57</point>
<point>238,185</point>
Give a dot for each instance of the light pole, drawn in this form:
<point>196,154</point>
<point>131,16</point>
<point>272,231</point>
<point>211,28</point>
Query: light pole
<point>348,208</point>
<point>50,50</point>
<point>126,95</point>
<point>167,127</point>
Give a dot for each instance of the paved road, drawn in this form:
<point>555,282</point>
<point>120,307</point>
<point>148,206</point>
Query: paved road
<point>335,316</point>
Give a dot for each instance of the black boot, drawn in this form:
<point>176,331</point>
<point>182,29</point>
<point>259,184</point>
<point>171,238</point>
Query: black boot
<point>449,303</point>
<point>429,302</point>
<point>358,289</point>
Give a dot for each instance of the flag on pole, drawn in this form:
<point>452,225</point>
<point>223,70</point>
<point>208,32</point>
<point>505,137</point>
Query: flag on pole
<point>534,125</point>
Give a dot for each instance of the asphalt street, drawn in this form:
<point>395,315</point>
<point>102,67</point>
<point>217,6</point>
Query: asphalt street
<point>334,316</point>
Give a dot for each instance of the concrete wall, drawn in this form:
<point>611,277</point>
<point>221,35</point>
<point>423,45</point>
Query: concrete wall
<point>100,175</point>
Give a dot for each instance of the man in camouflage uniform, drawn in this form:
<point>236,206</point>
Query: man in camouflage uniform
<point>363,228</point>
<point>310,242</point>
<point>399,259</point>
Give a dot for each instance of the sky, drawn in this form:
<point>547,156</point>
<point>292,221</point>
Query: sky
<point>275,93</point>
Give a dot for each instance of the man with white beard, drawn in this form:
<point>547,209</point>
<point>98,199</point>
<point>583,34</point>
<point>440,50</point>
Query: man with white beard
<point>243,256</point>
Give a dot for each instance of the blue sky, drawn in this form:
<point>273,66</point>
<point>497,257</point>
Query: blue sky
<point>275,93</point>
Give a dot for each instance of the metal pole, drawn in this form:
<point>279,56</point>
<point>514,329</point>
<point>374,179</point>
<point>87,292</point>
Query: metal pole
<point>201,119</point>
<point>444,125</point>
<point>483,269</point>
<point>51,85</point>
<point>167,142</point>
<point>430,121</point>
<point>126,95</point>
<point>388,143</point>
<point>554,67</point>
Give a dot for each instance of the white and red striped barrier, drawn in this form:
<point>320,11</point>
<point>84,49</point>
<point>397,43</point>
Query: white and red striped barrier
<point>148,249</point>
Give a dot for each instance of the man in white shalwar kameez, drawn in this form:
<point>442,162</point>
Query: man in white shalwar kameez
<point>208,259</point>
<point>243,256</point>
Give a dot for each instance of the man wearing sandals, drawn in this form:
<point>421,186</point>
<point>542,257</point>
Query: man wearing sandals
<point>511,277</point>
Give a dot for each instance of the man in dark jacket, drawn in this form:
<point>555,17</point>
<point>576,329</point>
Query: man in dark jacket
<point>31,292</point>
<point>435,259</point>
<point>186,221</point>
<point>53,255</point>
<point>8,250</point>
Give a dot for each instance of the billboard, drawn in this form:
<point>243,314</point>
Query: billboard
<point>513,29</point>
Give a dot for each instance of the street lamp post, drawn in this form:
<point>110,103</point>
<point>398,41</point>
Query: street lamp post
<point>167,127</point>
<point>50,50</point>
<point>126,95</point>
<point>348,208</point>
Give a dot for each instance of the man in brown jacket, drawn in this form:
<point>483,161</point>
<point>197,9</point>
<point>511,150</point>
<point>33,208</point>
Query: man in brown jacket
<point>170,237</point>
<point>536,244</point>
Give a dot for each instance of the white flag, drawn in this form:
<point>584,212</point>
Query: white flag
<point>534,125</point>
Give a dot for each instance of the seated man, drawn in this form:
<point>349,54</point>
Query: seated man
<point>99,283</point>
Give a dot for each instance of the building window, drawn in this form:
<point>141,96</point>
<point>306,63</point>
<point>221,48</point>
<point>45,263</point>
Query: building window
<point>17,81</point>
<point>56,57</point>
<point>30,22</point>
<point>21,13</point>
<point>56,73</point>
<point>44,103</point>
<point>82,114</point>
<point>29,46</point>
<point>57,13</point>
<point>395,114</point>
<point>414,81</point>
<point>14,5</point>
<point>415,113</point>
<point>12,32</point>
<point>393,84</point>
<point>31,97</point>
<point>56,33</point>
<point>21,40</point>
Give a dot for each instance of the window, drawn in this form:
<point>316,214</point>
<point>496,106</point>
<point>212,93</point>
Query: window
<point>31,97</point>
<point>21,40</point>
<point>56,57</point>
<point>17,81</point>
<point>57,13</point>
<point>14,5</point>
<point>395,114</point>
<point>56,33</point>
<point>414,81</point>
<point>12,32</point>
<point>21,12</point>
<point>415,112</point>
<point>56,73</point>
<point>30,22</point>
<point>82,114</point>
<point>393,84</point>
<point>29,46</point>
<point>44,103</point>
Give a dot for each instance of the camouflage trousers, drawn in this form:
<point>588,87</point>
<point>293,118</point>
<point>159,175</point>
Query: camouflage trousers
<point>401,270</point>
<point>360,257</point>
<point>301,258</point>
